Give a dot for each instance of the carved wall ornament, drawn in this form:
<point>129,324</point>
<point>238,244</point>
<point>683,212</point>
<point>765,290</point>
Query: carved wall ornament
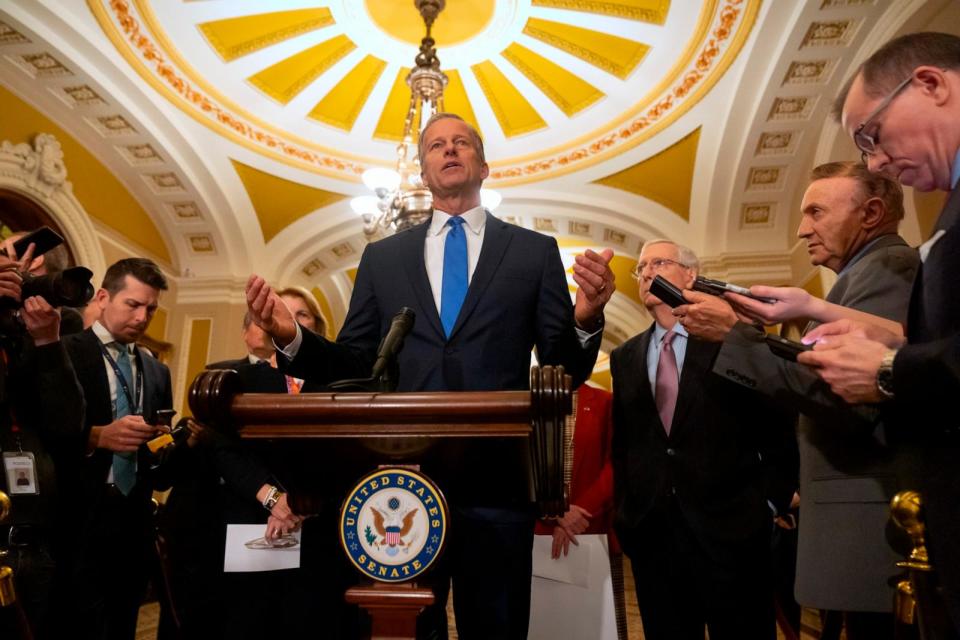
<point>9,35</point>
<point>792,108</point>
<point>313,267</point>
<point>807,72</point>
<point>38,171</point>
<point>343,250</point>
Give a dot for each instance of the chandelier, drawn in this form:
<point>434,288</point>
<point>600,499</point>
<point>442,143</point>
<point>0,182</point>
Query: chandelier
<point>402,201</point>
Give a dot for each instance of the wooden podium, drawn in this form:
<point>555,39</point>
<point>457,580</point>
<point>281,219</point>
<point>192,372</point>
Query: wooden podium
<point>518,434</point>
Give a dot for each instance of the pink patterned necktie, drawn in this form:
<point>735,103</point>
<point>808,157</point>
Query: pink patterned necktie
<point>668,380</point>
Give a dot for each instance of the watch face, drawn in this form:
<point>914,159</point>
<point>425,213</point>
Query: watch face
<point>885,378</point>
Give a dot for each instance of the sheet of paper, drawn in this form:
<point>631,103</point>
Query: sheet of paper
<point>572,569</point>
<point>572,597</point>
<point>239,557</point>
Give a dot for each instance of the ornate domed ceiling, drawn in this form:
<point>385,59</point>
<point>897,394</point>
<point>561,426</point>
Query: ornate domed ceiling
<point>553,85</point>
<point>224,137</point>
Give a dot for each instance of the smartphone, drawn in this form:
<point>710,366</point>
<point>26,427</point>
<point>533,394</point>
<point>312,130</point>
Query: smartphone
<point>164,417</point>
<point>786,349</point>
<point>667,292</point>
<point>719,287</point>
<point>43,238</point>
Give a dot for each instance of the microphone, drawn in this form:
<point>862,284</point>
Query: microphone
<point>392,343</point>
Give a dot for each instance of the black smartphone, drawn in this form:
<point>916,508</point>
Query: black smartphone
<point>786,349</point>
<point>164,417</point>
<point>667,292</point>
<point>43,238</point>
<point>719,287</point>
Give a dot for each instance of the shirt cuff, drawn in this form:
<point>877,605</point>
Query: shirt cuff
<point>290,351</point>
<point>583,336</point>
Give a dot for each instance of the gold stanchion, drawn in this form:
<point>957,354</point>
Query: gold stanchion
<point>918,603</point>
<point>8,595</point>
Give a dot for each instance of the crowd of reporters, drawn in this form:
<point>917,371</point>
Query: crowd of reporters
<point>702,455</point>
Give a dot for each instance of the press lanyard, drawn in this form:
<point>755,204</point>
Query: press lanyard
<point>134,400</point>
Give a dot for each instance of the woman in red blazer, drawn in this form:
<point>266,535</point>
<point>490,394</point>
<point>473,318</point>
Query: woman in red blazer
<point>591,483</point>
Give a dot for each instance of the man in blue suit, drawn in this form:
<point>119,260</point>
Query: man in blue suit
<point>485,294</point>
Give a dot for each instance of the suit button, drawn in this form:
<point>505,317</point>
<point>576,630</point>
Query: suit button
<point>671,452</point>
<point>450,351</point>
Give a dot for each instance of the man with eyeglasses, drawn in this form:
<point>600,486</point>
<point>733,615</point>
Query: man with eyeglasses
<point>698,461</point>
<point>846,561</point>
<point>902,108</point>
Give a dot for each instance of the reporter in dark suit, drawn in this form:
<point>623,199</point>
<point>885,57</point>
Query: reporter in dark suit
<point>911,88</point>
<point>700,467</point>
<point>41,409</point>
<point>849,466</point>
<point>485,293</point>
<point>124,386</point>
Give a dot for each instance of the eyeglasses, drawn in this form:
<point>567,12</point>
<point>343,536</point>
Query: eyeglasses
<point>657,264</point>
<point>867,143</point>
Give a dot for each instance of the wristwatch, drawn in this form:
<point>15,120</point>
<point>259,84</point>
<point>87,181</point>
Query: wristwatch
<point>273,496</point>
<point>885,374</point>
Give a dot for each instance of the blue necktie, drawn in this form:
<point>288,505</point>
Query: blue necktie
<point>124,464</point>
<point>454,287</point>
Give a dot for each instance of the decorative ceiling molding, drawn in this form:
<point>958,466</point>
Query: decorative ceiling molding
<point>717,39</point>
<point>38,171</point>
<point>749,268</point>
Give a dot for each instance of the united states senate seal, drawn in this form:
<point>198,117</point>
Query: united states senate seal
<point>393,524</point>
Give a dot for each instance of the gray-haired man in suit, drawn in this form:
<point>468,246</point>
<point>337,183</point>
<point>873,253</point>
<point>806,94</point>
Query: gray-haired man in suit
<point>849,470</point>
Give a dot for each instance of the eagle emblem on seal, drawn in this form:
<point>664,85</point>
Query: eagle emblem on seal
<point>392,524</point>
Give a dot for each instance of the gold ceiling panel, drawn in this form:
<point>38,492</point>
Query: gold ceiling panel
<point>287,78</point>
<point>565,89</point>
<point>390,125</point>
<point>279,203</point>
<point>653,11</point>
<point>515,115</point>
<point>455,100</point>
<point>233,38</point>
<point>459,21</point>
<point>666,178</point>
<point>615,55</point>
<point>341,106</point>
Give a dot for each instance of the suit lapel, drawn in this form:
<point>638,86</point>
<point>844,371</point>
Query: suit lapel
<point>149,383</point>
<point>696,364</point>
<point>412,260</point>
<point>99,405</point>
<point>647,403</point>
<point>496,239</point>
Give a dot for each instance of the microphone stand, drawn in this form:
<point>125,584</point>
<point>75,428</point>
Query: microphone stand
<point>386,372</point>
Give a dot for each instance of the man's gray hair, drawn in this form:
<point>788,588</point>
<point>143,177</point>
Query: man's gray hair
<point>444,115</point>
<point>685,255</point>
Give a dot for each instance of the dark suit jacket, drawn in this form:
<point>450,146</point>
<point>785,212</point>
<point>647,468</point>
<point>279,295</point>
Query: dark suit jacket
<point>87,359</point>
<point>41,390</point>
<point>518,299</point>
<point>729,451</point>
<point>848,471</point>
<point>926,379</point>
